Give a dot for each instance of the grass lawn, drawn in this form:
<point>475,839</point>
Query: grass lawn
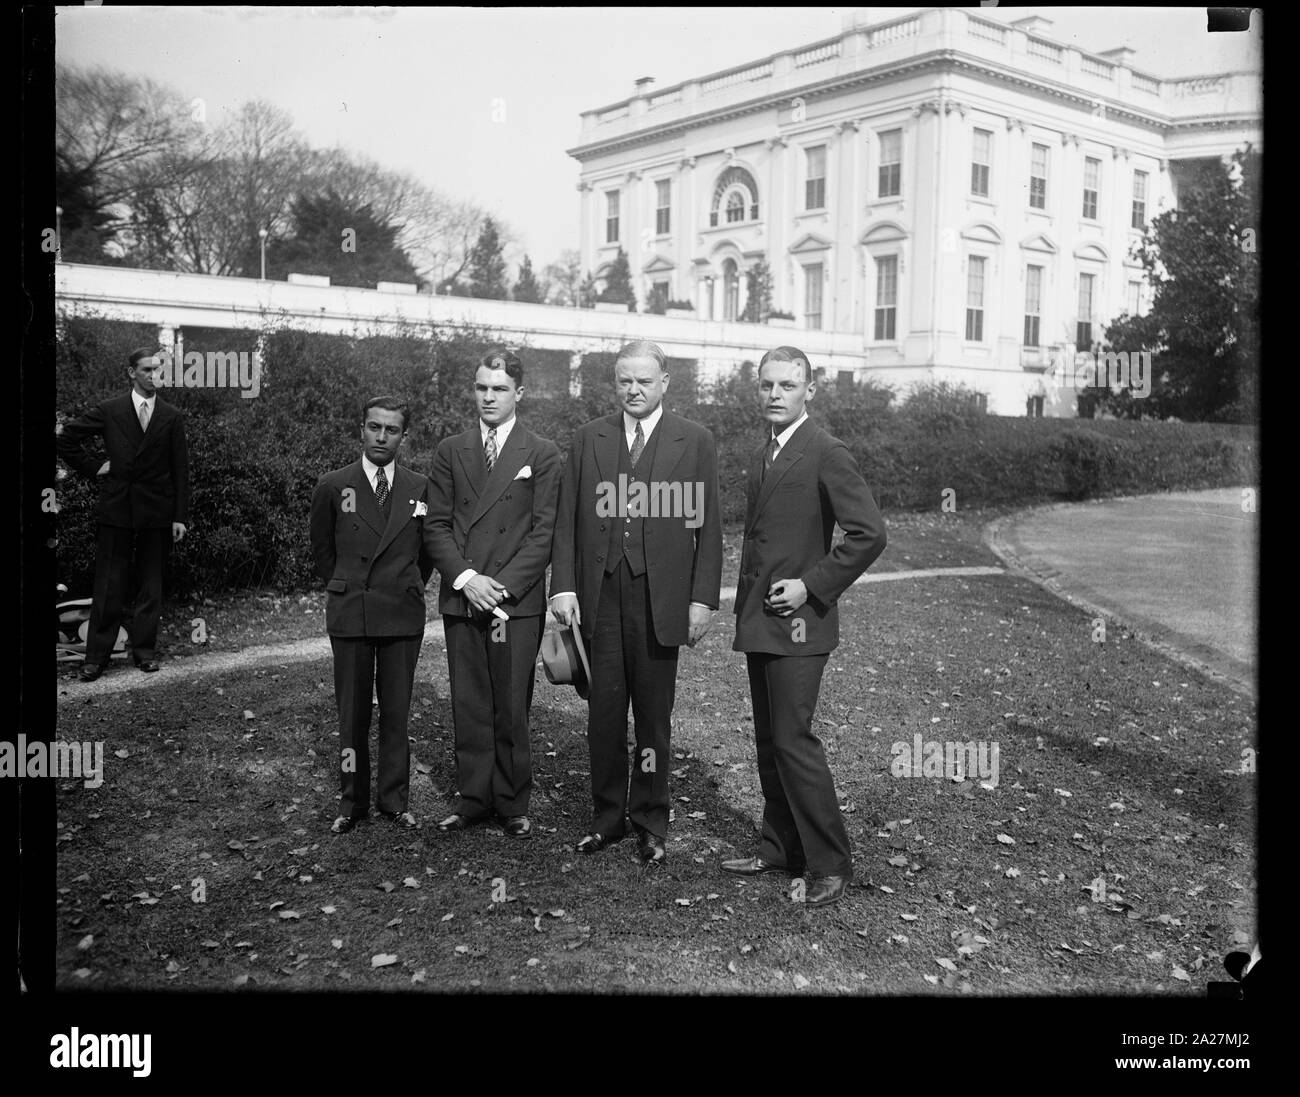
<point>1114,763</point>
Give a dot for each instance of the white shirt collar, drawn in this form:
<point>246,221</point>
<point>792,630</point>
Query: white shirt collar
<point>141,400</point>
<point>784,436</point>
<point>503,432</point>
<point>648,424</point>
<point>372,470</point>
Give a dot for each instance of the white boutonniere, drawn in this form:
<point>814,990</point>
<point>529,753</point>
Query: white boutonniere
<point>421,508</point>
<point>524,473</point>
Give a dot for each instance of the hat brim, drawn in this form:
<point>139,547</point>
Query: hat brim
<point>584,690</point>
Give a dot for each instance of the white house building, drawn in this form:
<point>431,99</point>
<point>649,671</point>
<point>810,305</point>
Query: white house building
<point>956,194</point>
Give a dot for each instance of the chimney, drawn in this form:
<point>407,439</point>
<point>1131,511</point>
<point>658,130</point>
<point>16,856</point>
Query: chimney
<point>1121,55</point>
<point>1032,24</point>
<point>643,85</point>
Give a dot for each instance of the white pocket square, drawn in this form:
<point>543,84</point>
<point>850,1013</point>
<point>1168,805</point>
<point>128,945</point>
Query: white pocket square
<point>524,473</point>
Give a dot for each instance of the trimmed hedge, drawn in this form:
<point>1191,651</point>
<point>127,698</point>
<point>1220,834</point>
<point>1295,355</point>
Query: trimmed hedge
<point>255,462</point>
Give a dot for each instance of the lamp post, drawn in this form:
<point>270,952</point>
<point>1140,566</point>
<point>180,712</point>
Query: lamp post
<point>262,233</point>
<point>58,234</point>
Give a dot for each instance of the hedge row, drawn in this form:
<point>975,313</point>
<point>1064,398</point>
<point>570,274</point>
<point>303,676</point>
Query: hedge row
<point>254,462</point>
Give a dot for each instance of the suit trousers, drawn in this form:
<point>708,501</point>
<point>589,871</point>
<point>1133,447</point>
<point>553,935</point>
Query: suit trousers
<point>802,825</point>
<point>117,549</point>
<point>628,663</point>
<point>356,659</point>
<point>492,664</point>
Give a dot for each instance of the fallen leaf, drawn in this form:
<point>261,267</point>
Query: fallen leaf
<point>337,942</point>
<point>382,959</point>
<point>86,942</point>
<point>1179,973</point>
<point>909,917</point>
<point>945,963</point>
<point>289,914</point>
<point>800,982</point>
<point>1006,839</point>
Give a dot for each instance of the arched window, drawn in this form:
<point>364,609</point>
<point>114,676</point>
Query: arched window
<point>734,184</point>
<point>730,290</point>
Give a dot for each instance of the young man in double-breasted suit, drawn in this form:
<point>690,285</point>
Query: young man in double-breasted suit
<point>368,539</point>
<point>800,486</point>
<point>491,515</point>
<point>144,504</point>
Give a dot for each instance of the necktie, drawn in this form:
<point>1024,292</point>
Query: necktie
<point>638,444</point>
<point>770,456</point>
<point>144,415</point>
<point>490,450</point>
<point>381,487</point>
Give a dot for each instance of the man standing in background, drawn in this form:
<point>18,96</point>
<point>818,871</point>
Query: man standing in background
<point>144,500</point>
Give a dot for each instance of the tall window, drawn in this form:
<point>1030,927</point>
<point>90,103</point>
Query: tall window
<point>611,217</point>
<point>1033,304</point>
<point>1038,177</point>
<point>975,298</point>
<point>730,290</point>
<point>1133,302</point>
<point>815,184</point>
<point>663,206</point>
<point>981,156</point>
<point>1139,218</point>
<point>1083,326</point>
<point>812,297</point>
<point>889,177</point>
<point>735,207</point>
<point>886,296</point>
<point>1091,184</point>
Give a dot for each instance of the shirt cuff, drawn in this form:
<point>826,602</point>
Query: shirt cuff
<point>564,593</point>
<point>701,605</point>
<point>463,578</point>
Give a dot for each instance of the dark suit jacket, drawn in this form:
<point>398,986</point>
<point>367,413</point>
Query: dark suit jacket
<point>375,571</point>
<point>148,482</point>
<point>683,564</point>
<point>813,484</point>
<point>499,525</point>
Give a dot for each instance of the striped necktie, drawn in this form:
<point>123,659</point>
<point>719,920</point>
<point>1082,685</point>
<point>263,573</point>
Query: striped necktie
<point>381,487</point>
<point>638,444</point>
<point>490,450</point>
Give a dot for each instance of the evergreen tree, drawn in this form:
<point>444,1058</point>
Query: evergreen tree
<point>758,293</point>
<point>487,265</point>
<point>351,246</point>
<point>526,288</point>
<point>618,282</point>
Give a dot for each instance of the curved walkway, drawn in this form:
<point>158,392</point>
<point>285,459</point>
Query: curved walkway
<point>1179,569</point>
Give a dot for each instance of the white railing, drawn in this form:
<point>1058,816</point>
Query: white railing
<point>1145,83</point>
<point>817,54</point>
<point>739,76</point>
<point>665,98</point>
<point>612,115</point>
<point>990,31</point>
<point>1045,50</point>
<point>896,31</point>
<point>1198,85</point>
<point>1093,67</point>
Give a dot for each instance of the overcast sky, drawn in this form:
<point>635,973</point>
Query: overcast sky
<point>414,88</point>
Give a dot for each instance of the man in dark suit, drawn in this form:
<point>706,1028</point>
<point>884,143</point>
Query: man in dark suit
<point>800,486</point>
<point>144,502</point>
<point>637,567</point>
<point>491,516</point>
<point>367,535</point>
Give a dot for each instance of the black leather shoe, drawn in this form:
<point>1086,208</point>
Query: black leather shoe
<point>824,890</point>
<point>650,848</point>
<point>149,666</point>
<point>754,866</point>
<point>594,843</point>
<point>343,824</point>
<point>455,822</point>
<point>90,671</point>
<point>404,819</point>
<point>518,826</point>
